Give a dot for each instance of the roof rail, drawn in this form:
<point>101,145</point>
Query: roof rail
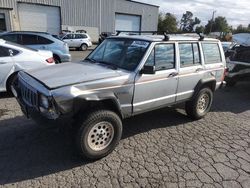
<point>29,32</point>
<point>165,33</point>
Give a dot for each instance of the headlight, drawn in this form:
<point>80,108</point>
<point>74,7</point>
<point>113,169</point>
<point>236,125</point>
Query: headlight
<point>44,101</point>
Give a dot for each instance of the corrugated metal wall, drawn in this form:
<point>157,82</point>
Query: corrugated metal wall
<point>92,13</point>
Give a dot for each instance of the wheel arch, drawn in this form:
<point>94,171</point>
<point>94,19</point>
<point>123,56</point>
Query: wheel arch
<point>10,77</point>
<point>208,82</point>
<point>106,101</point>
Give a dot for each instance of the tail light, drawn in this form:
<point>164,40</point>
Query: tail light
<point>50,60</point>
<point>224,74</point>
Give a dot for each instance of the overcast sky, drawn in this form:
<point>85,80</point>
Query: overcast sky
<point>236,11</point>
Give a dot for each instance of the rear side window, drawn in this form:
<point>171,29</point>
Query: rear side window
<point>29,39</point>
<point>80,36</point>
<point>163,57</point>
<point>189,54</point>
<point>211,53</point>
<point>42,40</point>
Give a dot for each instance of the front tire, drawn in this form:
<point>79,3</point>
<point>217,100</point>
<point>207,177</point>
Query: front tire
<point>200,105</point>
<point>99,133</point>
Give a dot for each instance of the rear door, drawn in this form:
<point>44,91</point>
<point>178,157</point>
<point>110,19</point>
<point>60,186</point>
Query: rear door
<point>191,69</point>
<point>159,89</point>
<point>6,64</point>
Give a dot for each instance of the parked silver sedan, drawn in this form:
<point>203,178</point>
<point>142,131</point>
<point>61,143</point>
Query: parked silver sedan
<point>14,57</point>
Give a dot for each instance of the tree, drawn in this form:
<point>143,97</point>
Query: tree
<point>167,22</point>
<point>218,25</point>
<point>242,29</point>
<point>188,23</point>
<point>200,29</point>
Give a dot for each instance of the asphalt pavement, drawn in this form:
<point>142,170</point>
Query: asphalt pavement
<point>163,148</point>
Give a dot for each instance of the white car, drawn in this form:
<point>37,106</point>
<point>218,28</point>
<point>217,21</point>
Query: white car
<point>81,41</point>
<point>14,57</point>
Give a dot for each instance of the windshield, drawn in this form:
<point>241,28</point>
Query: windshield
<point>120,53</point>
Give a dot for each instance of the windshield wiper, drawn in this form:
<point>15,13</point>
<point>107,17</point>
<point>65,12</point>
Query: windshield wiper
<point>91,60</point>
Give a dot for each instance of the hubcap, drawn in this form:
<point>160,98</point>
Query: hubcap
<point>100,136</point>
<point>203,103</point>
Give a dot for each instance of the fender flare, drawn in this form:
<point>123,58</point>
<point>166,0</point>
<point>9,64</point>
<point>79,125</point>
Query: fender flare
<point>210,82</point>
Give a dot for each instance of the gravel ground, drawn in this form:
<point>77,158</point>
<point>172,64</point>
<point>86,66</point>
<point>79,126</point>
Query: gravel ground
<point>163,148</point>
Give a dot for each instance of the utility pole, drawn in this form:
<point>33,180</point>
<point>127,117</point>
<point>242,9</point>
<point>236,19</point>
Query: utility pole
<point>212,21</point>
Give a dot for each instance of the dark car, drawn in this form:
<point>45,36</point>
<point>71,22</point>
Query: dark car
<point>238,60</point>
<point>104,35</point>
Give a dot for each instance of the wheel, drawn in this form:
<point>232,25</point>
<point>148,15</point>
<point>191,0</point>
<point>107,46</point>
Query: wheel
<point>12,80</point>
<point>99,133</point>
<point>57,59</point>
<point>84,47</point>
<point>200,105</point>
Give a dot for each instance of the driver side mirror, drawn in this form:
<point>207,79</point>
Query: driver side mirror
<point>148,69</point>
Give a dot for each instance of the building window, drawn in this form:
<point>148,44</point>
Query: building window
<point>2,22</point>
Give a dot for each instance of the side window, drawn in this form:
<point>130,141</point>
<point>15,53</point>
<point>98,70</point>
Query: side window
<point>189,54</point>
<point>42,40</point>
<point>163,56</point>
<point>29,39</point>
<point>69,36</point>
<point>80,36</point>
<point>211,53</point>
<point>11,38</point>
<point>14,52</point>
<point>4,52</point>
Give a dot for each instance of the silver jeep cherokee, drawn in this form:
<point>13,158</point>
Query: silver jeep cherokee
<point>123,77</point>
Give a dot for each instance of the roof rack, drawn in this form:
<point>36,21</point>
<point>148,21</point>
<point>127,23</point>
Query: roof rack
<point>165,33</point>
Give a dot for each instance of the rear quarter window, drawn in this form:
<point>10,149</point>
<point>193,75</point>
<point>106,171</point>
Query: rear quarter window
<point>211,53</point>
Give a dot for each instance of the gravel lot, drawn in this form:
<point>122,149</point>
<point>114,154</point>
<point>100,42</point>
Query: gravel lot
<point>163,148</point>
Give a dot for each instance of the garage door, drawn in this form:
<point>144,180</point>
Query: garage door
<point>39,18</point>
<point>127,22</point>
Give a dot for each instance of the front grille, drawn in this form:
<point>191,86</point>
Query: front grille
<point>28,94</point>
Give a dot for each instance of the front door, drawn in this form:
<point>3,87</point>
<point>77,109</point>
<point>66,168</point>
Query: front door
<point>159,89</point>
<point>69,39</point>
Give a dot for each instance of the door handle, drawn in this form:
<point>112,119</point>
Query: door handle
<point>173,74</point>
<point>199,70</point>
<point>3,63</point>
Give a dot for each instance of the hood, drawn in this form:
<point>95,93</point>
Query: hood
<point>242,39</point>
<point>60,75</point>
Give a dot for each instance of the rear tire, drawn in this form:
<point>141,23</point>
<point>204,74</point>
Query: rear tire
<point>57,59</point>
<point>84,47</point>
<point>200,105</point>
<point>99,133</point>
